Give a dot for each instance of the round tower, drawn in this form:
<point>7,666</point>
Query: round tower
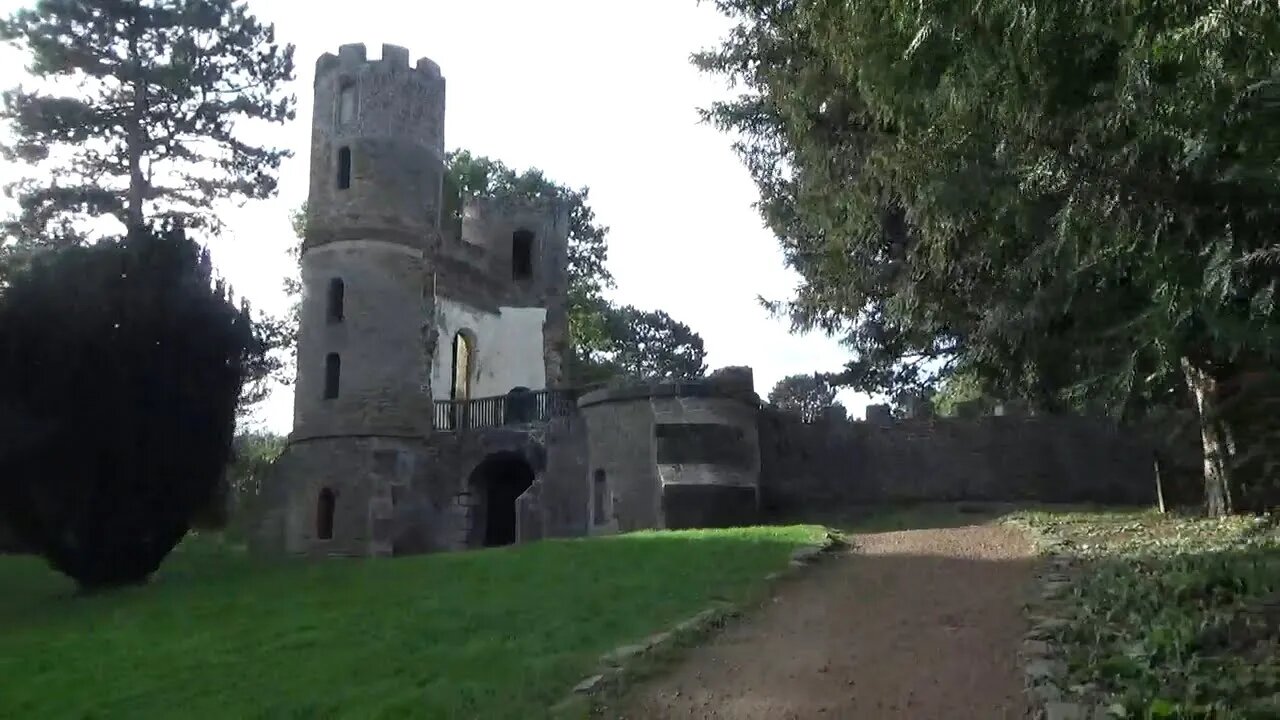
<point>372,226</point>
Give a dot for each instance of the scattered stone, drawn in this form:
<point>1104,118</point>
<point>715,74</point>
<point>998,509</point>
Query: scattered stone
<point>623,654</point>
<point>1055,589</point>
<point>656,640</point>
<point>1044,693</point>
<point>1041,670</point>
<point>1046,628</point>
<point>1067,711</point>
<point>773,577</point>
<point>589,685</point>
<point>1035,649</point>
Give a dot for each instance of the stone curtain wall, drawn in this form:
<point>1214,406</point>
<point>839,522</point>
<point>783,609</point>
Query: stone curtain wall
<point>1044,459</point>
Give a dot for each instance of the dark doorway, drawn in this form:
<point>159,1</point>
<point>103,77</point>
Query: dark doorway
<point>498,481</point>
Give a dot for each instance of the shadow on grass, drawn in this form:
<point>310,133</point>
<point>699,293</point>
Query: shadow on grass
<point>494,634</point>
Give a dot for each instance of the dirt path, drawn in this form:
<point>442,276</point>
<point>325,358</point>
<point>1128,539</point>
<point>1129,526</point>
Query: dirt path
<point>920,624</point>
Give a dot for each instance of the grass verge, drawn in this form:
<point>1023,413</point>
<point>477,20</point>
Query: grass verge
<point>1173,617</point>
<point>493,634</point>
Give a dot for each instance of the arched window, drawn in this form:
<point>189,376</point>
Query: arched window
<point>344,168</point>
<point>337,291</point>
<point>325,506</point>
<point>599,493</point>
<point>462,353</point>
<point>521,255</point>
<point>347,103</point>
<point>332,375</point>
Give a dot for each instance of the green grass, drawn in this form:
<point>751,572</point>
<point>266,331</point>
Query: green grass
<point>489,634</point>
<point>1174,617</point>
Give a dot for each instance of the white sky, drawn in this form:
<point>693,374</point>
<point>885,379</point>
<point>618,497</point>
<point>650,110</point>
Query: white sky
<point>594,92</point>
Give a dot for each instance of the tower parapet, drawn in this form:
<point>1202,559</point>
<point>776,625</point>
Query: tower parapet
<point>377,148</point>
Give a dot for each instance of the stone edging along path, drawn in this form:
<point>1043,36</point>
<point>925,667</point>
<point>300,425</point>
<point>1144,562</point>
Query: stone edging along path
<point>1044,666</point>
<point>618,665</point>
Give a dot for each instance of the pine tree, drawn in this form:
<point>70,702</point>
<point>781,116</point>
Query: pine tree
<point>139,114</point>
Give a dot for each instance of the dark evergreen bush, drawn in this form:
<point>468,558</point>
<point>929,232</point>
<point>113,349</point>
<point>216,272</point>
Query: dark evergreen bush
<point>121,364</point>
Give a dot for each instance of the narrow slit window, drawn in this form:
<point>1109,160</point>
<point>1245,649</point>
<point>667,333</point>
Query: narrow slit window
<point>337,293</point>
<point>325,507</point>
<point>344,168</point>
<point>522,255</point>
<point>600,492</point>
<point>332,375</point>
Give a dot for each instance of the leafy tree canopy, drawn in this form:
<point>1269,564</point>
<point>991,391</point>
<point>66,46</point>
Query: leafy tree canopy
<point>140,113</point>
<point>809,396</point>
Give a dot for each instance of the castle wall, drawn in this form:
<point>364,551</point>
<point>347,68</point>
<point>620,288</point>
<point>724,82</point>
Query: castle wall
<point>375,483</point>
<point>507,348</point>
<point>674,455</point>
<point>379,342</point>
<point>1012,458</point>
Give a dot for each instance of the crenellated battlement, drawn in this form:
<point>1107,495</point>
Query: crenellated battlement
<point>353,58</point>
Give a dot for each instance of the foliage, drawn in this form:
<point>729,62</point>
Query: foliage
<point>1071,201</point>
<point>957,389</point>
<point>491,634</point>
<point>119,380</point>
<point>142,112</point>
<point>241,488</point>
<point>809,396</point>
<point>1173,617</point>
<point>647,345</point>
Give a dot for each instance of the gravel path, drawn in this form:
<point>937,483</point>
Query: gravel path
<point>920,624</point>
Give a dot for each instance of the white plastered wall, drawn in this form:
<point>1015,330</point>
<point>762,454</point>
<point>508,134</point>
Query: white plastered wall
<point>507,349</point>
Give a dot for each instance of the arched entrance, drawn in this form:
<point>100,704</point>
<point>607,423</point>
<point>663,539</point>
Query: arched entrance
<point>496,483</point>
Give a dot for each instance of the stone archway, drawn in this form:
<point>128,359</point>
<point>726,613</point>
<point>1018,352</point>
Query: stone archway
<point>496,484</point>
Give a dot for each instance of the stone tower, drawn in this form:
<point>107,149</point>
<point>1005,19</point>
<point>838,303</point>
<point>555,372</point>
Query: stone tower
<point>428,359</point>
<point>362,402</point>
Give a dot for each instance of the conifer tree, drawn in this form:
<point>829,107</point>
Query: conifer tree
<point>140,114</point>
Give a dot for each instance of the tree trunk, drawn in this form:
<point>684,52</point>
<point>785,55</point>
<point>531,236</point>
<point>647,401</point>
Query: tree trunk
<point>1215,438</point>
<point>137,114</point>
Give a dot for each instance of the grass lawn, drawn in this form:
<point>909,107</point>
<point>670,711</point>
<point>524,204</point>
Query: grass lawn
<point>1174,617</point>
<point>489,634</point>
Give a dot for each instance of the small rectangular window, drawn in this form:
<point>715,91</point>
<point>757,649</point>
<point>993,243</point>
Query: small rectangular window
<point>344,168</point>
<point>332,374</point>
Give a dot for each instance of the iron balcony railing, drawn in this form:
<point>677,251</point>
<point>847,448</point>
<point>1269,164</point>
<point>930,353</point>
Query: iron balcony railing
<point>517,407</point>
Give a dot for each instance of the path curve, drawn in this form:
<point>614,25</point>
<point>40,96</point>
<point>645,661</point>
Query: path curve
<point>920,624</point>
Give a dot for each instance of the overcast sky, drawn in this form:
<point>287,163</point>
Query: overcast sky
<point>594,92</point>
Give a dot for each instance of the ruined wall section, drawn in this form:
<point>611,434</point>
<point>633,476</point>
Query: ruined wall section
<point>475,274</point>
